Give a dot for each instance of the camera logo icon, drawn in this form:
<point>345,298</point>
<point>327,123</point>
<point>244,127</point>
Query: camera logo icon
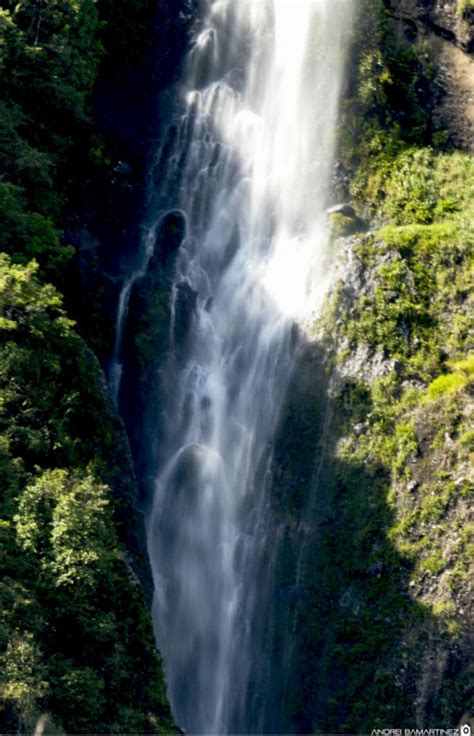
<point>465,730</point>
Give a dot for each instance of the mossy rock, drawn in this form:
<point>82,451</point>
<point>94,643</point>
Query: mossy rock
<point>342,226</point>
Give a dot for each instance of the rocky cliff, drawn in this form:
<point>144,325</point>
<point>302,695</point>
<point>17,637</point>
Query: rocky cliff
<point>373,467</point>
<point>445,31</point>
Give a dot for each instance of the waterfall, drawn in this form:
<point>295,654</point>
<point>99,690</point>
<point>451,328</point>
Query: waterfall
<point>249,163</point>
<point>116,365</point>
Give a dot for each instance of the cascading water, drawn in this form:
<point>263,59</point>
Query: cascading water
<point>249,164</point>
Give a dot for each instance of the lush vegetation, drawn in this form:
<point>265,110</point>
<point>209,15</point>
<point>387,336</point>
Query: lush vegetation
<point>75,636</point>
<point>464,6</point>
<point>76,646</point>
<point>49,56</point>
<point>384,624</point>
<point>386,632</point>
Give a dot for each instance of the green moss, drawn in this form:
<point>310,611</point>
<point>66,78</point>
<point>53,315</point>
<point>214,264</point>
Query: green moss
<point>399,467</point>
<point>460,378</point>
<point>445,385</point>
<point>433,506</point>
<point>151,326</point>
<point>464,6</point>
<point>407,314</point>
<point>418,185</point>
<point>423,291</point>
<point>342,226</point>
<point>466,440</point>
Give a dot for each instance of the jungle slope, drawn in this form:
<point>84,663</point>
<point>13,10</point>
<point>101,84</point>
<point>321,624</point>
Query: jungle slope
<point>76,644</point>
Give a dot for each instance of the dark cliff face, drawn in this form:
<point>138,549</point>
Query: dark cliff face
<point>444,18</point>
<point>372,612</point>
<point>445,32</point>
<point>158,320</point>
<point>448,19</point>
<point>132,106</point>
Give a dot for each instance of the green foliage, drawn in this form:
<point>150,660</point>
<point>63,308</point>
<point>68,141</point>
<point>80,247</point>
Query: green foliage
<point>405,447</point>
<point>391,96</point>
<point>461,378</point>
<point>410,193</point>
<point>26,235</point>
<point>49,56</point>
<point>82,692</point>
<point>73,625</point>
<point>73,510</point>
<point>393,567</point>
<point>28,306</point>
<point>394,520</point>
<point>20,162</point>
<point>421,261</point>
<point>342,226</point>
<point>50,59</point>
<point>75,635</point>
<point>22,677</point>
<point>464,6</point>
<point>409,185</point>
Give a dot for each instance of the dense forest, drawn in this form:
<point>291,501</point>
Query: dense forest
<point>385,622</point>
<point>76,641</point>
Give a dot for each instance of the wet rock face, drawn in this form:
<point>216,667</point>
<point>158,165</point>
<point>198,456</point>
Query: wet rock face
<point>447,34</point>
<point>184,310</point>
<point>171,233</point>
<point>94,293</point>
<point>438,17</point>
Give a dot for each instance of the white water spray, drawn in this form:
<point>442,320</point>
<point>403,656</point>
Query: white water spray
<point>250,165</point>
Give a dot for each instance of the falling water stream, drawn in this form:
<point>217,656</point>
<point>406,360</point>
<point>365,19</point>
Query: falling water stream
<point>249,165</point>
